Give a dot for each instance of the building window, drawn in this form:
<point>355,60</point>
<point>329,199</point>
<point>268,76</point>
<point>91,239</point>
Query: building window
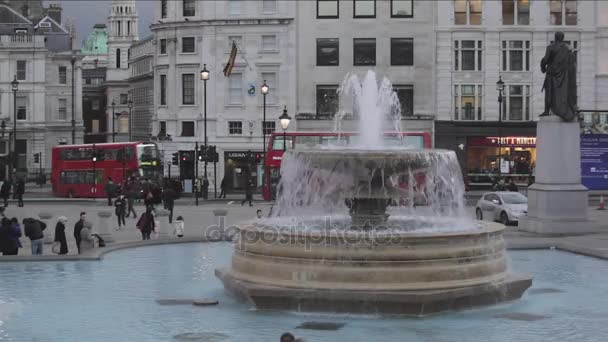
<point>163,90</point>
<point>402,8</point>
<point>328,51</point>
<point>269,43</point>
<point>516,105</point>
<point>188,44</point>
<point>269,6</point>
<point>271,81</point>
<point>405,93</point>
<point>162,128</point>
<point>234,7</point>
<point>467,55</point>
<point>62,109</point>
<point>63,79</point>
<point>364,51</point>
<point>117,58</point>
<point>327,101</point>
<point>467,12</point>
<point>235,127</point>
<point>163,46</point>
<point>515,11</point>
<point>327,9</point>
<point>189,8</point>
<point>188,89</point>
<point>21,70</point>
<point>235,89</point>
<point>95,104</point>
<point>21,107</point>
<point>124,99</point>
<point>269,127</point>
<point>467,102</point>
<point>163,9</point>
<point>516,55</point>
<point>364,9</point>
<point>238,40</point>
<point>123,124</point>
<point>95,126</point>
<point>21,152</point>
<point>187,128</point>
<point>561,9</point>
<point>402,51</point>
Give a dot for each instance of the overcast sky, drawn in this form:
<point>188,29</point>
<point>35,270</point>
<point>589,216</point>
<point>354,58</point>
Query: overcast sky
<point>86,13</point>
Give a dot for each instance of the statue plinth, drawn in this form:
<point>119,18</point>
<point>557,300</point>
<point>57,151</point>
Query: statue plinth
<point>557,201</point>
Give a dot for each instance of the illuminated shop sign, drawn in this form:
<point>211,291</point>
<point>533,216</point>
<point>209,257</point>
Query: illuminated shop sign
<point>502,141</point>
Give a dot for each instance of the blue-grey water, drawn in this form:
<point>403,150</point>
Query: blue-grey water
<point>116,300</point>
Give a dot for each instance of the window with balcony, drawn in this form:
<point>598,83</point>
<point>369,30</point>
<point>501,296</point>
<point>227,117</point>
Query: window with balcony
<point>21,70</point>
<point>402,51</point>
<point>163,90</point>
<point>467,102</point>
<point>188,89</point>
<point>327,101</point>
<point>62,75</point>
<point>364,51</point>
<point>187,128</point>
<point>62,109</point>
<point>235,127</point>
<point>235,89</point>
<point>364,8</point>
<point>189,8</point>
<point>269,43</point>
<point>188,45</point>
<point>124,99</point>
<point>516,103</point>
<point>328,51</point>
<point>402,8</point>
<point>405,93</point>
<point>163,46</point>
<point>467,55</point>
<point>328,9</point>
<point>21,107</point>
<point>467,12</point>
<point>563,12</point>
<point>515,12</point>
<point>515,55</point>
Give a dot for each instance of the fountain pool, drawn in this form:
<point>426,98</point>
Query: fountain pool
<point>117,298</point>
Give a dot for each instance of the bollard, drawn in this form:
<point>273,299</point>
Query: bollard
<point>164,226</point>
<point>221,223</point>
<point>103,226</point>
<point>49,232</point>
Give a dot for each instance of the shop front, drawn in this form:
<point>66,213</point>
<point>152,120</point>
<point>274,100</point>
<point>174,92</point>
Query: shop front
<point>239,167</point>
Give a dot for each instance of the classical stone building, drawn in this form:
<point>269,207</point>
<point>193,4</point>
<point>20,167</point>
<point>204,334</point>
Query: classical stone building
<point>37,52</point>
<point>141,89</point>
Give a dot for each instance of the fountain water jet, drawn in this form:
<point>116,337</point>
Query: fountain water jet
<point>333,247</point>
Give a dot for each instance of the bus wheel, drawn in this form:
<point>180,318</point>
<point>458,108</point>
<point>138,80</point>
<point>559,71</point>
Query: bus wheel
<point>71,194</point>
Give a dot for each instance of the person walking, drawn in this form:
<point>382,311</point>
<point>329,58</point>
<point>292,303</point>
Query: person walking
<point>131,196</point>
<point>5,191</point>
<point>87,238</point>
<point>10,232</point>
<point>60,235</point>
<point>169,199</point>
<point>205,188</point>
<point>146,224</point>
<point>34,231</point>
<point>178,227</point>
<point>223,188</point>
<point>149,201</point>
<point>78,228</point>
<point>19,191</point>
<point>248,193</point>
<point>110,188</point>
<point>121,208</point>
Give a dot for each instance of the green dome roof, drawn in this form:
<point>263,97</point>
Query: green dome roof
<point>97,42</point>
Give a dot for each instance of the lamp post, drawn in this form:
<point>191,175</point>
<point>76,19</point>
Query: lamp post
<point>265,90</point>
<point>94,159</point>
<point>15,88</point>
<point>113,121</point>
<point>500,87</point>
<point>130,104</point>
<point>73,61</point>
<point>3,130</point>
<point>205,78</point>
<point>284,119</point>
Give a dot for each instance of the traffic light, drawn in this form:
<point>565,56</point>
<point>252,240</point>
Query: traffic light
<point>36,158</point>
<point>175,158</point>
<point>211,154</point>
<point>202,153</point>
<point>187,156</point>
<point>258,158</point>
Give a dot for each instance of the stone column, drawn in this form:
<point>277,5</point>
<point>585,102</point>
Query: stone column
<point>164,227</point>
<point>103,226</point>
<point>49,232</point>
<point>557,201</point>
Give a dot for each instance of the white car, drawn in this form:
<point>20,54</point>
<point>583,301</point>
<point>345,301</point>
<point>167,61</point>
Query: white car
<point>502,206</point>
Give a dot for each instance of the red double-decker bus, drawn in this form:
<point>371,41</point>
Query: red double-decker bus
<point>276,143</point>
<point>83,170</point>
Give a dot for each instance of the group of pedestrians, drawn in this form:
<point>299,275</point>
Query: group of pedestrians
<point>18,191</point>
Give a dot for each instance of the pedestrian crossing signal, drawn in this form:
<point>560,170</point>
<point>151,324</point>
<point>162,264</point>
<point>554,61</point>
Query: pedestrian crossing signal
<point>37,158</point>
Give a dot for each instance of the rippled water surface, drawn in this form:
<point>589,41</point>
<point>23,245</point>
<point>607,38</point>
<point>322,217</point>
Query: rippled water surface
<point>116,300</point>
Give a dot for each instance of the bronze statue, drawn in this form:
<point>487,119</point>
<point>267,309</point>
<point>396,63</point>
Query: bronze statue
<point>559,65</point>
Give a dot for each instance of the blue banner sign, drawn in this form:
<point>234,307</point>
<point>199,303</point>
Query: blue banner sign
<point>594,161</point>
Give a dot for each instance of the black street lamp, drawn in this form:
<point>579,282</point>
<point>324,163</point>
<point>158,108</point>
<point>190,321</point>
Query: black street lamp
<point>15,88</point>
<point>73,61</point>
<point>113,121</point>
<point>130,104</point>
<point>500,87</point>
<point>284,119</point>
<point>205,77</point>
<point>265,90</point>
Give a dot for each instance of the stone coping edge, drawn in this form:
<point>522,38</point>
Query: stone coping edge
<point>98,253</point>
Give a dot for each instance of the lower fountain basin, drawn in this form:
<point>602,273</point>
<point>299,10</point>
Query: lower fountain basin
<point>390,271</point>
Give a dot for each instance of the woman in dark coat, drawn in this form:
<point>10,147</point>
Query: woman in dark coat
<point>10,232</point>
<point>146,224</point>
<point>60,235</point>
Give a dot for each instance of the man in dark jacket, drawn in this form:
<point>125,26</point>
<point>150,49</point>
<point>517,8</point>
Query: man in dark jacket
<point>19,191</point>
<point>5,191</point>
<point>223,188</point>
<point>248,193</point>
<point>9,238</point>
<point>34,231</point>
<point>78,228</point>
<point>110,189</point>
<point>169,199</point>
